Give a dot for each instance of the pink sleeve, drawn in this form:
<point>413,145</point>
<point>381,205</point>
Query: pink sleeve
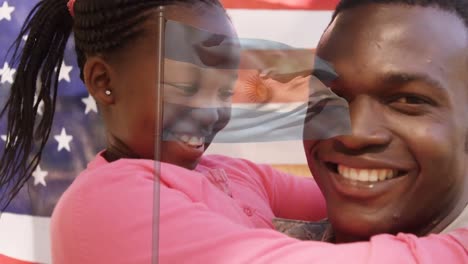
<point>284,190</point>
<point>112,220</point>
<point>190,233</point>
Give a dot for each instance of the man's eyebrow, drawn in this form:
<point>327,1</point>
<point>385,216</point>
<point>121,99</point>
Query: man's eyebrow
<point>405,78</point>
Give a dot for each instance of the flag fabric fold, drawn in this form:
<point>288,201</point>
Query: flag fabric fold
<point>278,91</point>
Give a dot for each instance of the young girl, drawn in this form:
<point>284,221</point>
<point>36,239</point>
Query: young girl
<point>211,209</point>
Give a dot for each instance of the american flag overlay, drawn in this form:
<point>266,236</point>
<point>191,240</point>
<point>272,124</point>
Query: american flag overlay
<point>77,134</point>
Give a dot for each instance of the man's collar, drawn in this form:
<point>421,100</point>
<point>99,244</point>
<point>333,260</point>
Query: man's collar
<point>304,230</point>
<point>323,231</point>
<point>460,221</point>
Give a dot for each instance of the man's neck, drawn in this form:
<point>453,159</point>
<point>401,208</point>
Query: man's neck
<point>436,226</point>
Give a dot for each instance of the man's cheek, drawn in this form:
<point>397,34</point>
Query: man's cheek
<point>437,157</point>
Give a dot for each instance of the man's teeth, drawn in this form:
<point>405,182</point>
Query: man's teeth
<point>192,141</point>
<point>366,175</point>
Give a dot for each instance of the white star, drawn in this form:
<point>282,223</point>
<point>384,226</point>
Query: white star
<point>39,176</point>
<point>4,137</point>
<point>64,140</point>
<point>90,104</point>
<point>65,72</point>
<point>25,37</point>
<point>7,73</point>
<point>5,11</point>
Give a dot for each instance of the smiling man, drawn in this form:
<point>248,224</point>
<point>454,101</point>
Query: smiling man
<point>402,67</point>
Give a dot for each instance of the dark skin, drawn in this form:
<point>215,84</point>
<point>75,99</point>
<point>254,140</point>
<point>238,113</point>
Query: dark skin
<point>402,70</point>
<point>129,112</point>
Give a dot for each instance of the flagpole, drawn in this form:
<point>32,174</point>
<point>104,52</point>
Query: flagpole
<point>161,27</point>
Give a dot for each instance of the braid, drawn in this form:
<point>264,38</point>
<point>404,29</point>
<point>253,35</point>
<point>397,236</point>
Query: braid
<point>99,26</point>
<point>49,27</point>
<point>107,25</point>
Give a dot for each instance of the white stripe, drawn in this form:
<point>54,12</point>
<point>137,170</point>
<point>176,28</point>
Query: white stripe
<point>281,152</point>
<point>297,28</point>
<point>279,107</point>
<point>25,237</point>
<point>264,124</point>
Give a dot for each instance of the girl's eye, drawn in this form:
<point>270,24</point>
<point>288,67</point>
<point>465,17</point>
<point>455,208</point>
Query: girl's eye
<point>226,94</point>
<point>188,89</point>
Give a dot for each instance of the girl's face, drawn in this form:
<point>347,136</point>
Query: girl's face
<point>197,98</point>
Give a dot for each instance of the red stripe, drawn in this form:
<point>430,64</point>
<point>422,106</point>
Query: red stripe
<point>7,260</point>
<point>273,4</point>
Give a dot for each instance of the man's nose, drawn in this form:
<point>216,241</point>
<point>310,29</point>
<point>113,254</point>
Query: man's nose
<point>367,128</point>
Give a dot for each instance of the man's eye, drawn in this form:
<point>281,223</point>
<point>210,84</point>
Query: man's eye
<point>412,100</point>
<point>411,104</point>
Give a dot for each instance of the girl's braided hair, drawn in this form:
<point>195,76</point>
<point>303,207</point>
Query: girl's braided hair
<point>99,26</point>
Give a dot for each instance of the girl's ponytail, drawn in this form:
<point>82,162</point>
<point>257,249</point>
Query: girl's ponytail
<point>48,27</point>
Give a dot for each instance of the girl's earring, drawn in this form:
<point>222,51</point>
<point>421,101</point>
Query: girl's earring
<point>108,92</point>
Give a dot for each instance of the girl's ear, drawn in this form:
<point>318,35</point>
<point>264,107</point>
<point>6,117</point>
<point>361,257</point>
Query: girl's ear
<point>98,78</point>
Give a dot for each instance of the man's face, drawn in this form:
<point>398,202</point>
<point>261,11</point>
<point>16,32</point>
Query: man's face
<point>403,71</point>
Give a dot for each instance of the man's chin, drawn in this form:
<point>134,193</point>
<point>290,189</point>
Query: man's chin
<point>360,226</point>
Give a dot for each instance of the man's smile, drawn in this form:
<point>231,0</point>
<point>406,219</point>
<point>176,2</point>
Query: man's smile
<point>363,178</point>
<point>365,174</point>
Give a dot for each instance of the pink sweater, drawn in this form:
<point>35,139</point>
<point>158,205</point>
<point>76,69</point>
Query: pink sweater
<point>212,215</point>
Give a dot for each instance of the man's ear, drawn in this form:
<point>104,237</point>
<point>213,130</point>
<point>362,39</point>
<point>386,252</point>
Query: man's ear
<point>98,80</point>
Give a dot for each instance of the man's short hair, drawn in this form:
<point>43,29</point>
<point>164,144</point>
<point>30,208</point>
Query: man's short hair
<point>459,7</point>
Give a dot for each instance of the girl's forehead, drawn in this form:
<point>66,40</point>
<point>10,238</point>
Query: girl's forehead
<point>203,16</point>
